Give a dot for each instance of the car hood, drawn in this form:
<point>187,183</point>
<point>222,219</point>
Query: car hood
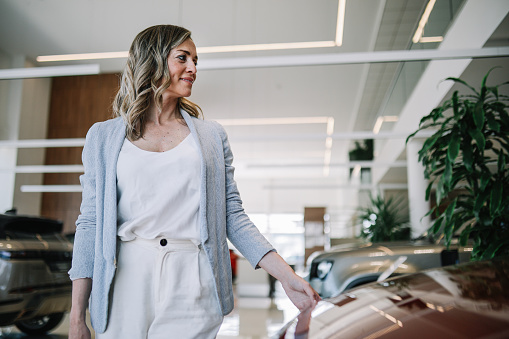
<point>375,249</point>
<point>34,245</point>
<point>469,300</point>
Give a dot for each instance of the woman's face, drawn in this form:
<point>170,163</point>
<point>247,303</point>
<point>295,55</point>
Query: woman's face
<point>182,63</point>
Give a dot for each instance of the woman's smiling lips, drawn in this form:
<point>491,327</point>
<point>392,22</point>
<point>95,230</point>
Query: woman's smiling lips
<point>190,80</point>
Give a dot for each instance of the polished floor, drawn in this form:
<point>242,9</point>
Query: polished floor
<point>252,318</point>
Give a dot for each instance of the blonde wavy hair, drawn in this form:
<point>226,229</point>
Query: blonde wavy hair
<point>146,76</point>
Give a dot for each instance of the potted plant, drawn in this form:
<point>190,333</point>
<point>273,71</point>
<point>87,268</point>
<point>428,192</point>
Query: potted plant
<point>468,153</point>
<point>381,221</point>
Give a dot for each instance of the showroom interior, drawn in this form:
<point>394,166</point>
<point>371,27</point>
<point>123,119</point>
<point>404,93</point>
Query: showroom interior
<point>299,86</point>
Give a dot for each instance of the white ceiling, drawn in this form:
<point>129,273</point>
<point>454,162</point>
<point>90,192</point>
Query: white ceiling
<point>274,175</point>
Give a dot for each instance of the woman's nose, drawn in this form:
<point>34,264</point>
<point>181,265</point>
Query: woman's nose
<point>191,68</point>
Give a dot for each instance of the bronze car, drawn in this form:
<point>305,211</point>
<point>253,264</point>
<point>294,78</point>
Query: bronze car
<point>464,301</point>
<point>35,290</point>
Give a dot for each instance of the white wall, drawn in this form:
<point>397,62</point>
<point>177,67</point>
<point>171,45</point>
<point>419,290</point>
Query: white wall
<point>32,125</point>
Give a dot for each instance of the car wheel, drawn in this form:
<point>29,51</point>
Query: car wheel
<point>39,326</point>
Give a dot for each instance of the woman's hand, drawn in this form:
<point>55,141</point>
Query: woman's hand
<point>80,294</point>
<point>301,294</point>
<point>297,289</point>
<point>79,330</point>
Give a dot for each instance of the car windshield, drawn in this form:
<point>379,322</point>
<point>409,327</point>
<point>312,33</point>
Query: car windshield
<point>27,228</point>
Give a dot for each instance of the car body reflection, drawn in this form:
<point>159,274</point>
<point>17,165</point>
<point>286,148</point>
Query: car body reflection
<point>464,301</point>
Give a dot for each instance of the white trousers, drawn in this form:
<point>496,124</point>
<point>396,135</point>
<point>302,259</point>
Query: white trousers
<point>163,288</point>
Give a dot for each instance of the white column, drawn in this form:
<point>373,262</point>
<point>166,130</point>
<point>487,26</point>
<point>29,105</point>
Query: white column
<point>10,110</point>
<point>417,185</point>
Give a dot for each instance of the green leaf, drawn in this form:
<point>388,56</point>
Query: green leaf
<point>478,137</point>
<point>485,180</point>
<point>437,224</point>
<point>496,198</point>
<point>455,105</point>
<point>479,115</point>
<point>492,123</point>
<point>494,90</point>
<point>463,83</point>
<point>428,190</point>
<point>429,212</point>
<point>428,144</point>
<point>447,174</point>
<point>448,230</point>
<point>465,235</point>
<point>468,157</point>
<point>479,203</point>
<point>483,83</point>
<point>449,211</point>
<point>491,251</point>
<point>501,162</point>
<point>454,146</point>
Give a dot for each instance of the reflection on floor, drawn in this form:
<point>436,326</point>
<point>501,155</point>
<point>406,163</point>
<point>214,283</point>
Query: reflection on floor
<point>252,318</point>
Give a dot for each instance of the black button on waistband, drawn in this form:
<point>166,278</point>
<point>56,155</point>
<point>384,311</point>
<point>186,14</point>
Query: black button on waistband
<point>163,242</point>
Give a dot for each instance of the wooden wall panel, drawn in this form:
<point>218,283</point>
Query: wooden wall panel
<point>76,104</point>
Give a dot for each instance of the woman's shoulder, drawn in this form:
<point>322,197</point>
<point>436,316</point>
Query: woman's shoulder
<point>105,129</point>
<point>106,126</point>
<point>110,124</point>
<point>209,124</point>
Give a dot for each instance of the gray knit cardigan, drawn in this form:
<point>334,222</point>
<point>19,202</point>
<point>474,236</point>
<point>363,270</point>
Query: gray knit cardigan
<point>221,213</point>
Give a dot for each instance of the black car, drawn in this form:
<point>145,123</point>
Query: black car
<point>35,290</point>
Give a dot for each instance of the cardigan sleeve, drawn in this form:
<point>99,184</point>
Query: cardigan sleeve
<point>84,241</point>
<point>240,230</point>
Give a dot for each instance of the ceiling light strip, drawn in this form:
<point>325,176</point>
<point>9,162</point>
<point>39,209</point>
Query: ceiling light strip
<point>273,121</point>
<point>200,50</point>
<point>424,19</point>
<point>346,186</point>
<point>328,147</point>
<point>380,120</point>
<point>265,47</point>
<point>431,39</point>
<point>43,143</point>
<point>46,169</point>
<point>50,188</point>
<point>350,58</point>
<point>356,171</point>
<point>350,164</point>
<point>335,136</point>
<point>82,56</point>
<point>340,24</point>
<point>48,72</point>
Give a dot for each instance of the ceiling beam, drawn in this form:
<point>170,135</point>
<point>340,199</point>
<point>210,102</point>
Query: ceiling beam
<point>351,58</point>
<point>48,72</point>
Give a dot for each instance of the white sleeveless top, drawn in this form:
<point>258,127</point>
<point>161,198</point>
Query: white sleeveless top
<point>158,193</point>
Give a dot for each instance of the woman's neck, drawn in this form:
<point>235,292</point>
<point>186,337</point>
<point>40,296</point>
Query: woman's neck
<point>169,112</point>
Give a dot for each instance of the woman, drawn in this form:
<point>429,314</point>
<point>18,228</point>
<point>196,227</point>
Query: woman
<point>159,202</point>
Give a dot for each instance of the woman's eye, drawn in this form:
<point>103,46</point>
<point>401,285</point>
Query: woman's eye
<point>182,57</point>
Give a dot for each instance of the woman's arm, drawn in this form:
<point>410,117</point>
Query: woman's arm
<point>253,245</point>
<point>297,289</point>
<point>84,244</point>
<point>80,294</point>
